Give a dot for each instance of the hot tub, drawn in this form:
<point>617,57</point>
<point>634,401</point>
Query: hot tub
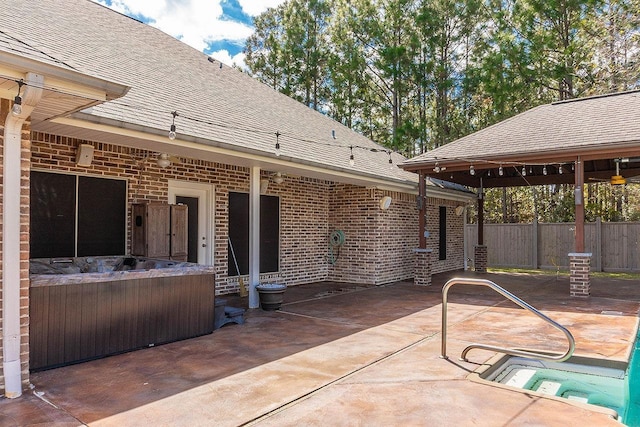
<point>86,308</point>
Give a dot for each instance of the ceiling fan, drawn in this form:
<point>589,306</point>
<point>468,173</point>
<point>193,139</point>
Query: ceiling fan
<point>618,179</point>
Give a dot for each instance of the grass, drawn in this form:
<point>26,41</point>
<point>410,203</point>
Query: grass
<point>607,275</point>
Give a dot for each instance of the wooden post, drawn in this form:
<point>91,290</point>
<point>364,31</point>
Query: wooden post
<point>534,244</point>
<point>422,208</point>
<point>579,200</point>
<point>480,216</point>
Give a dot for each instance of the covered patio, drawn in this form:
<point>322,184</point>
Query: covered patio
<point>352,354</point>
<point>568,142</point>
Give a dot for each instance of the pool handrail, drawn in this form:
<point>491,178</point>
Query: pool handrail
<point>516,300</point>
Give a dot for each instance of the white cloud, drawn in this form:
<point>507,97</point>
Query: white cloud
<point>224,57</point>
<point>197,23</point>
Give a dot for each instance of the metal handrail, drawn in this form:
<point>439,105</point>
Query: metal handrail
<point>515,299</point>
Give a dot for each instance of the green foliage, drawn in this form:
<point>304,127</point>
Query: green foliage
<point>416,74</point>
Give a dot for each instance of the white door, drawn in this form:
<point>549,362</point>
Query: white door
<point>200,223</point>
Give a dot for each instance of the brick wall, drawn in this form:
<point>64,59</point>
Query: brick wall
<point>304,202</point>
<point>379,243</point>
<point>455,235</point>
<point>378,247</point>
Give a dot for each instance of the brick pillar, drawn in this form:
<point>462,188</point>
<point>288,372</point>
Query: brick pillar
<point>422,276</point>
<point>579,274</point>
<point>480,258</point>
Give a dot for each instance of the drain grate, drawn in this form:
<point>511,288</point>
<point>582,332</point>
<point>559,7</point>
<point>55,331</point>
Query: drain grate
<point>340,291</point>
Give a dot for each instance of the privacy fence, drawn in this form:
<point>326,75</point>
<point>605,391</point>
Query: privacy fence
<point>614,245</point>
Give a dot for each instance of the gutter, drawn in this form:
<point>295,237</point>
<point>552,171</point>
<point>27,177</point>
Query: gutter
<point>11,261</point>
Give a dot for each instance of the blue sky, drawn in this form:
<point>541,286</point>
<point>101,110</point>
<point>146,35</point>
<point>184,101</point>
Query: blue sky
<point>217,27</point>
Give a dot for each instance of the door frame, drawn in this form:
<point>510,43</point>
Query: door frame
<point>206,193</point>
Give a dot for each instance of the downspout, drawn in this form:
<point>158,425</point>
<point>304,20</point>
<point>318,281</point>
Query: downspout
<point>11,236</point>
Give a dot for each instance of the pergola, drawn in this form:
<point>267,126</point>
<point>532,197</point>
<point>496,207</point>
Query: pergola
<point>575,141</point>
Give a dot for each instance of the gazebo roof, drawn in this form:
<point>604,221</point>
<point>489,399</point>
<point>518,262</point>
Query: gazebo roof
<point>602,131</point>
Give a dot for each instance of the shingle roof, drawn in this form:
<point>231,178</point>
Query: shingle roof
<point>216,104</point>
<point>581,124</point>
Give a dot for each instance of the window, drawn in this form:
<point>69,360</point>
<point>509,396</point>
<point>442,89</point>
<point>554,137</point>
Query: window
<point>77,215</point>
<point>239,234</point>
<point>442,246</point>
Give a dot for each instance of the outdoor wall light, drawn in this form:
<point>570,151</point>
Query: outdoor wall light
<point>278,178</point>
<point>385,202</point>
<point>163,160</point>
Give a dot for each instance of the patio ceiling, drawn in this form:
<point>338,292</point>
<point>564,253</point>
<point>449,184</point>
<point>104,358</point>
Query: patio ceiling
<point>601,132</point>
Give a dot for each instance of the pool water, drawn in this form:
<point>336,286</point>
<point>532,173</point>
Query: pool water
<point>578,380</point>
<point>612,385</point>
<point>632,413</point>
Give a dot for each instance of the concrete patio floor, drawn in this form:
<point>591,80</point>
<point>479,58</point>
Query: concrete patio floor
<point>344,355</point>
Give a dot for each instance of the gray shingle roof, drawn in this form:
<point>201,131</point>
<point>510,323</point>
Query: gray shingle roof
<point>581,124</point>
<point>216,105</point>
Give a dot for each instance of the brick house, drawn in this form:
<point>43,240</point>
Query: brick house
<point>97,108</point>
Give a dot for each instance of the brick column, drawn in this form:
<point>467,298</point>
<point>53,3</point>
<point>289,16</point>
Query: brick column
<point>422,276</point>
<point>480,258</point>
<point>579,274</point>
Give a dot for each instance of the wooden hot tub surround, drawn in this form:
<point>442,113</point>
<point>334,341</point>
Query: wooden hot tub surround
<point>83,316</point>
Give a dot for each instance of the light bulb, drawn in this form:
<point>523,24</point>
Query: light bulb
<point>544,170</point>
<point>472,170</point>
<point>560,169</point>
<point>172,132</point>
<point>352,161</point>
<point>277,149</point>
<point>524,171</point>
<point>16,110</point>
<point>500,171</point>
<point>437,168</point>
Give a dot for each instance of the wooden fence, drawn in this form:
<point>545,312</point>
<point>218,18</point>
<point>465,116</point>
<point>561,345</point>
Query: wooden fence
<point>615,246</point>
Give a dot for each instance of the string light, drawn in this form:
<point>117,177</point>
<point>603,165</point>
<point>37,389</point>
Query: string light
<point>472,170</point>
<point>437,169</point>
<point>544,170</point>
<point>172,130</point>
<point>524,171</point>
<point>16,110</point>
<point>500,171</point>
<point>560,169</point>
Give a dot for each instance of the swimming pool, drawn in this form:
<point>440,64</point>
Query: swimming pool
<point>609,387</point>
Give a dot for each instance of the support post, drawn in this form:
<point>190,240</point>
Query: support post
<point>580,274</point>
<point>421,202</point>
<point>579,200</point>
<point>534,244</point>
<point>422,275</point>
<point>254,237</point>
<point>480,250</point>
